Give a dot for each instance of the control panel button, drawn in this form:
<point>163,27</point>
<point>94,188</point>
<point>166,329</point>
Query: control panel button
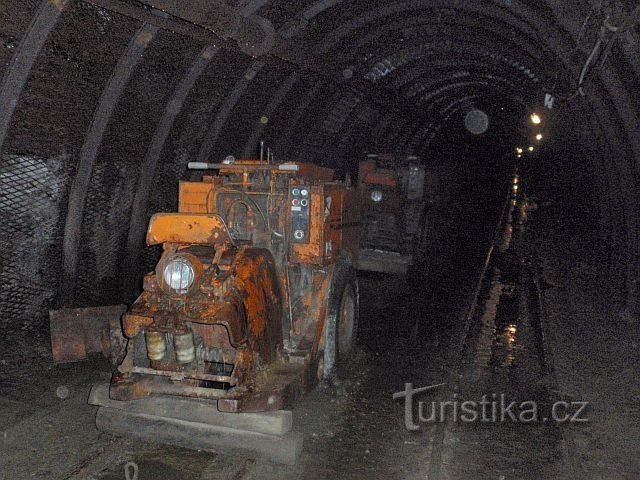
<point>300,199</point>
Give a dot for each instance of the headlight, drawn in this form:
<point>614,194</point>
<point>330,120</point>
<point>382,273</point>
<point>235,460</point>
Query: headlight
<point>178,274</point>
<point>376,196</point>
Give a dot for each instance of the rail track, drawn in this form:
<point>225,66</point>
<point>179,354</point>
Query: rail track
<point>502,357</point>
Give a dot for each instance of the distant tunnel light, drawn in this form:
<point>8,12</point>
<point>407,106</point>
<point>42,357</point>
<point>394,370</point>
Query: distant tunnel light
<point>539,137</point>
<point>535,119</point>
<point>476,121</point>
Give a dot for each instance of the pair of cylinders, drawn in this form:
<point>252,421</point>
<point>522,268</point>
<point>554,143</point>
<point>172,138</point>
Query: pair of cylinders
<point>183,345</point>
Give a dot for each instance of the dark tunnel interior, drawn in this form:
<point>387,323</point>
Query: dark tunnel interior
<point>104,102</point>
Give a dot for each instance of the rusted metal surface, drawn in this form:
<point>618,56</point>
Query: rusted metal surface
<point>226,316</point>
<point>257,277</point>
<point>93,139</point>
<point>276,390</point>
<point>195,197</point>
<point>177,376</point>
<point>309,327</point>
<point>75,333</point>
<point>133,324</point>
<point>370,173</point>
<point>236,308</point>
<point>181,228</point>
<point>335,226</point>
<point>250,314</point>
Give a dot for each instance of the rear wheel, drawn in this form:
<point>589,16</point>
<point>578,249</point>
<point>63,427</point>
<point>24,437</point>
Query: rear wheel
<point>346,322</point>
<point>341,325</point>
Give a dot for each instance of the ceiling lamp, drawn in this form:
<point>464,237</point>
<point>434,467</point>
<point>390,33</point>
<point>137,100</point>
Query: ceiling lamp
<point>476,122</point>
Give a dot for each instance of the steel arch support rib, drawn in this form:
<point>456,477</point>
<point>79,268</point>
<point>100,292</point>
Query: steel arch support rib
<point>275,102</point>
<point>137,224</point>
<point>295,118</point>
<point>230,102</point>
<point>18,72</point>
<point>88,153</point>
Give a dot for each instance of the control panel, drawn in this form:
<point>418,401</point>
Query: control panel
<point>300,199</point>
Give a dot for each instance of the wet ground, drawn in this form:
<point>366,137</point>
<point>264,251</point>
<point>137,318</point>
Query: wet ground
<point>509,428</point>
<point>444,327</point>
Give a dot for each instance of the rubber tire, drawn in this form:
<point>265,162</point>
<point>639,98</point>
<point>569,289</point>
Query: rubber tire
<point>335,361</point>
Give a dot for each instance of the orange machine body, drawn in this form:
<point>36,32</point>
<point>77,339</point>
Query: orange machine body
<point>236,309</point>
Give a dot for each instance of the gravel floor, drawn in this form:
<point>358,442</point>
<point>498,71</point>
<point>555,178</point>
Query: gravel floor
<point>595,343</point>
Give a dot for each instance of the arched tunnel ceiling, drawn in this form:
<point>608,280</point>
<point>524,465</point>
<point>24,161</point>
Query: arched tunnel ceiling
<point>104,102</point>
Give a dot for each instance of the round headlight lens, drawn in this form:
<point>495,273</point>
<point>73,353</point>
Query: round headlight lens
<point>178,274</point>
<point>376,196</point>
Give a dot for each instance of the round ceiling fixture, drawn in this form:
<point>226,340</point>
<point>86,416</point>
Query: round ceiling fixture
<point>476,122</point>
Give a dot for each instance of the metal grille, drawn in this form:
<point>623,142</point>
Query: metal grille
<point>32,193</point>
<point>105,227</point>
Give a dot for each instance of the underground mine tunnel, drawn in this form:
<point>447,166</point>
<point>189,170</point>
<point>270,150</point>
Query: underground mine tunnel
<point>319,239</point>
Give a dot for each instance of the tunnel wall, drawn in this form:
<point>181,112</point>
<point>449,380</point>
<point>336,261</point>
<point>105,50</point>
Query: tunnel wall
<point>227,103</point>
<point>101,110</point>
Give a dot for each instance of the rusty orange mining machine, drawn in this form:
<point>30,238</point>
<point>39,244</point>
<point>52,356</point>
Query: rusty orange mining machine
<point>396,192</point>
<point>254,299</point>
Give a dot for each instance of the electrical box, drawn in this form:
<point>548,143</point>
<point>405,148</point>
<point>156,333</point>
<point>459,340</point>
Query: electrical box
<point>333,225</point>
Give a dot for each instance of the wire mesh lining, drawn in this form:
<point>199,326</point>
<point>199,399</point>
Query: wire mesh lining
<point>163,198</point>
<point>32,196</point>
<point>105,226</point>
